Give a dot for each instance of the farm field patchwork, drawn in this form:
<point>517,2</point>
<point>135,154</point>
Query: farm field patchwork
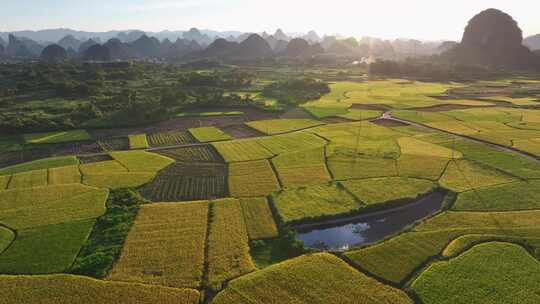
<point>170,138</point>
<point>165,246</point>
<point>317,275</point>
<point>302,168</point>
<point>463,175</point>
<point>83,290</point>
<point>398,257</point>
<point>491,272</point>
<point>250,179</point>
<point>192,154</point>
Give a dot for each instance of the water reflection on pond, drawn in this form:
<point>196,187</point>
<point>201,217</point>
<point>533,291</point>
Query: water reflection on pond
<point>364,229</point>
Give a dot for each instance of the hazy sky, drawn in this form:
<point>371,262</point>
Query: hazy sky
<point>422,19</point>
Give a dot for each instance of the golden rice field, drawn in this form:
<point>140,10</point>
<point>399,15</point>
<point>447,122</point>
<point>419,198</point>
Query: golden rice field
<point>228,249</point>
<point>165,246</point>
<point>319,278</point>
<point>63,288</point>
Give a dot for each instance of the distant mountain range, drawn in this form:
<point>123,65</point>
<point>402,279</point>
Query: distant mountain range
<point>229,45</point>
<point>195,43</point>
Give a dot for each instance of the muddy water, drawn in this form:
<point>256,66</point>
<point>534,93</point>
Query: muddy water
<point>340,235</point>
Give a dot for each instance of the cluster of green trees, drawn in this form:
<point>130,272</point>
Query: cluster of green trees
<point>296,91</point>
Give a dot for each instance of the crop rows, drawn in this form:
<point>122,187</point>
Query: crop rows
<point>259,219</point>
<point>181,182</point>
<point>19,157</point>
<point>170,138</point>
<point>192,154</point>
<point>165,246</point>
<point>228,249</point>
<point>114,144</point>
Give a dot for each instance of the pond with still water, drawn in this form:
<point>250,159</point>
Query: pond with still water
<point>342,234</point>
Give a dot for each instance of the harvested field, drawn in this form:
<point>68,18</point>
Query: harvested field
<point>228,249</point>
<point>114,144</point>
<point>94,158</point>
<point>170,138</point>
<point>187,182</point>
<point>259,219</point>
<point>241,131</point>
<point>317,275</point>
<point>83,290</point>
<point>204,153</point>
<point>250,179</point>
<point>165,246</point>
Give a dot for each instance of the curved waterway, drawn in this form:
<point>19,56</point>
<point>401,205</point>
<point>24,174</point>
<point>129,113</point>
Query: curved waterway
<point>343,234</point>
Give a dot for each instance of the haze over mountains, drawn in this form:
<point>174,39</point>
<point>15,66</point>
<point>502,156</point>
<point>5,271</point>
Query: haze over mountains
<point>491,38</point>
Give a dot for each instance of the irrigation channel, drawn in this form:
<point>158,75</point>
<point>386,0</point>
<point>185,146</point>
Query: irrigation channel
<point>345,233</point>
